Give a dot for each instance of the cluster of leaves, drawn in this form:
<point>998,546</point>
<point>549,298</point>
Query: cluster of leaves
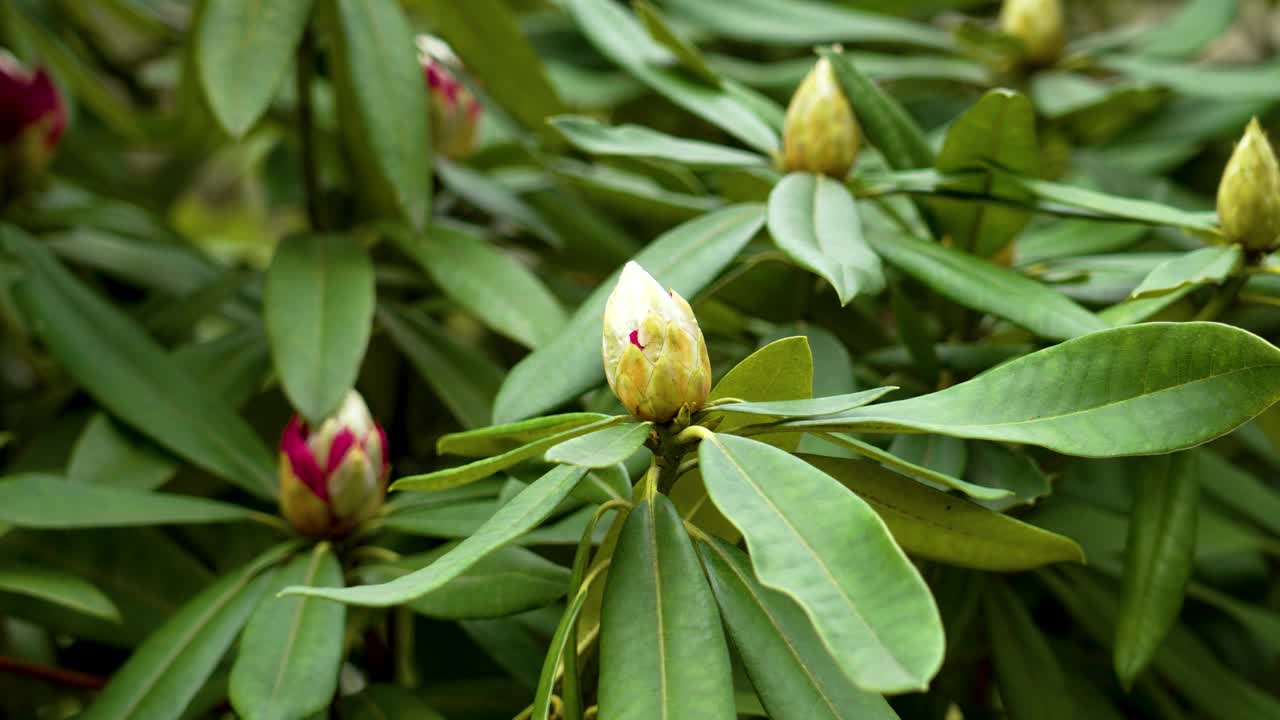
<point>245,217</point>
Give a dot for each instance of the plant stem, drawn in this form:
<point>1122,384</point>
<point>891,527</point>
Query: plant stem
<point>402,621</point>
<point>58,676</point>
<point>306,130</point>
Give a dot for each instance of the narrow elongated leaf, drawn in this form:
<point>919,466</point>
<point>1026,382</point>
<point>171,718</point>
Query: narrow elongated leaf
<point>664,34</point>
<point>1199,267</point>
<point>542,707</point>
<point>602,448</point>
<point>1168,386</point>
<point>790,668</point>
<point>1120,208</point>
<point>291,650</point>
<point>805,23</point>
<point>808,408</point>
<point>978,284</point>
<point>318,306</point>
<point>684,259</point>
<point>382,99</point>
<point>51,502</point>
<point>1026,668</point>
<point>520,515</point>
<point>934,525</point>
<point>106,453</point>
<point>814,540</point>
<point>888,126</point>
<point>813,220</point>
<point>130,375</point>
<point>386,702</point>
<point>999,466</point>
<point>483,468</point>
<point>590,136</point>
<point>243,49</point>
<point>1189,30</point>
<point>167,670</point>
<point>58,587</point>
<point>662,649</point>
<point>912,470</point>
<point>497,439</point>
<point>493,197</point>
<point>1159,556</point>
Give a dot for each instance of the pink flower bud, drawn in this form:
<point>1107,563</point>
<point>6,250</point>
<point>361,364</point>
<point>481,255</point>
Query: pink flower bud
<point>455,112</point>
<point>32,118</point>
<point>334,476</point>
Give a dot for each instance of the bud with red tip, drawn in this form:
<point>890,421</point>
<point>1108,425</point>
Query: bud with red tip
<point>455,112</point>
<point>32,118</point>
<point>334,476</point>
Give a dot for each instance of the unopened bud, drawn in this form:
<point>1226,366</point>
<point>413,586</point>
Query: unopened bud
<point>820,133</point>
<point>1249,192</point>
<point>1038,24</point>
<point>32,118</point>
<point>334,476</point>
<point>655,357</point>
<point>455,112</point>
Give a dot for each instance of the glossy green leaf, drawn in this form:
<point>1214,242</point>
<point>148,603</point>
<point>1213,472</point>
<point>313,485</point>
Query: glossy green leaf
<point>1115,207</point>
<point>911,469</point>
<point>1158,560</point>
<point>634,195</point>
<point>946,455</point>
<point>487,35</point>
<point>243,50</point>
<point>1198,267</point>
<point>106,453</point>
<point>490,195</point>
<point>983,286</point>
<point>498,439</point>
<point>318,307</point>
<point>491,285</point>
<point>291,650</point>
<point>130,375</point>
<point>479,469</point>
<point>382,99</point>
<point>589,135</point>
<point>662,649</point>
<point>542,708</point>
<point>518,516</point>
<point>942,527</point>
<point>999,466</point>
<point>386,702</point>
<point>1000,129</point>
<point>789,666</point>
<point>57,587</point>
<point>888,126</point>
<point>602,448</point>
<point>685,259</point>
<point>814,540</point>
<point>1168,386</point>
<point>814,220</point>
<point>805,23</point>
<point>1027,672</point>
<point>167,670</point>
<point>665,35</point>
<point>807,408</point>
<point>51,502</point>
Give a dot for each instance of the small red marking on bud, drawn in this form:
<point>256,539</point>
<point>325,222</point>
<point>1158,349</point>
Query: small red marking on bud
<point>635,339</point>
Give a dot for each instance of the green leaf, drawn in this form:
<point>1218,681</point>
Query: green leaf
<point>662,649</point>
<point>1241,491</point>
<point>1119,208</point>
<point>805,23</point>
<point>50,502</point>
<point>518,516</point>
<point>542,708</point>
<point>1168,386</point>
<point>888,126</point>
<point>1231,82</point>
<point>318,303</point>
<point>490,284</point>
<point>937,526</point>
<point>602,448</point>
<point>167,670</point>
<point>684,51</point>
<point>814,220</point>
<point>999,466</point>
<point>487,35</point>
<point>1199,267</point>
<point>498,439</point>
<point>789,667</point>
<point>464,379</point>
<point>1189,30</point>
<point>382,100</point>
<point>291,650</point>
<point>685,259</point>
<point>1000,130</point>
<point>1159,556</point>
<point>911,469</point>
<point>108,454</point>
<point>386,702</point>
<point>590,136</point>
<point>488,194</point>
<point>1026,670</point>
<point>978,284</point>
<point>634,195</point>
<point>58,587</point>
<point>243,49</point>
<point>483,468</point>
<point>814,540</point>
<point>130,375</point>
<point>808,408</point>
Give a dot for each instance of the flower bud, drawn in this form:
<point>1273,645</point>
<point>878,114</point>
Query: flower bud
<point>1249,192</point>
<point>455,112</point>
<point>334,476</point>
<point>655,357</point>
<point>1038,24</point>
<point>32,118</point>
<point>820,133</point>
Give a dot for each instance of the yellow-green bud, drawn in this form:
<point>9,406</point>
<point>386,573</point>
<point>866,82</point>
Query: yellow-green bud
<point>655,357</point>
<point>1038,24</point>
<point>820,133</point>
<point>1249,192</point>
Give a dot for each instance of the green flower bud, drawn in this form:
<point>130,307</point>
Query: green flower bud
<point>1038,24</point>
<point>1249,192</point>
<point>655,357</point>
<point>820,133</point>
